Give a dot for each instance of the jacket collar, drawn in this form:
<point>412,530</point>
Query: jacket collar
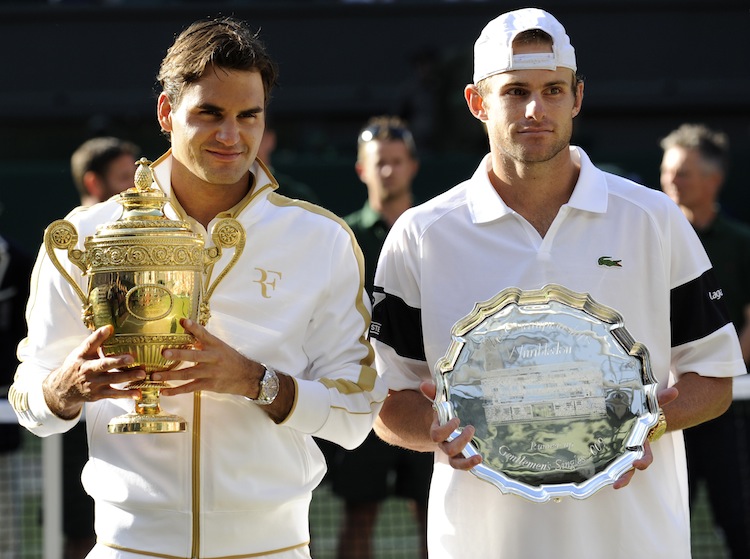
<point>263,183</point>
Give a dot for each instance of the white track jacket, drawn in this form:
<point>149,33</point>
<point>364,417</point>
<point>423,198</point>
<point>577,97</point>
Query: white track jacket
<point>234,484</point>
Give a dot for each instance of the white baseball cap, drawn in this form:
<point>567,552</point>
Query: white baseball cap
<point>493,51</point>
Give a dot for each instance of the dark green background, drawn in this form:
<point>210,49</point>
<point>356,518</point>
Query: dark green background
<point>75,69</point>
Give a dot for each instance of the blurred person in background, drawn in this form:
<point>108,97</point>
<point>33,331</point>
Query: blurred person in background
<point>363,478</point>
<point>102,167</point>
<point>694,168</point>
<point>387,164</point>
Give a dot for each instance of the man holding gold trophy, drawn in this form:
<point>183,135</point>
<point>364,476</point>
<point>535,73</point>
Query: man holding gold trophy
<point>514,296</point>
<point>227,468</point>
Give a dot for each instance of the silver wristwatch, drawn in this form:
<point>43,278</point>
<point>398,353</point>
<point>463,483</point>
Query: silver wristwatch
<point>269,387</point>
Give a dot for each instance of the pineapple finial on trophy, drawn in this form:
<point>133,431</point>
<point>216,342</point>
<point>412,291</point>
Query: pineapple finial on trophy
<point>143,177</point>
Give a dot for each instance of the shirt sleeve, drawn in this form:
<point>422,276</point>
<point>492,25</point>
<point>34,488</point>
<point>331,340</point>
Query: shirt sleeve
<point>341,395</point>
<point>704,341</point>
<point>55,328</point>
<point>396,328</point>
<point>55,325</point>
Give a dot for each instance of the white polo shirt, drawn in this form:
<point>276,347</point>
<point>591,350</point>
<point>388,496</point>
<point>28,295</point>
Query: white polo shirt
<point>464,247</point>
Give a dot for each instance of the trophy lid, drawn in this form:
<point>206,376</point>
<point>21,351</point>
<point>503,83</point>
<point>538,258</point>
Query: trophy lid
<point>143,206</point>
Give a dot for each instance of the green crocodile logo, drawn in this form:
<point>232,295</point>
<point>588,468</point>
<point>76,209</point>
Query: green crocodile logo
<point>607,261</point>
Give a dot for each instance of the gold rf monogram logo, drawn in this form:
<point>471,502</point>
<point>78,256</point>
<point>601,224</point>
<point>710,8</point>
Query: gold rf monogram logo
<point>267,281</point>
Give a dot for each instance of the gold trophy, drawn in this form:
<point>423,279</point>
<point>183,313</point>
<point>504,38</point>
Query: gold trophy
<point>145,273</point>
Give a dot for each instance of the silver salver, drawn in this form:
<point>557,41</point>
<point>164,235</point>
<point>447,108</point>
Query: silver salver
<point>561,396</point>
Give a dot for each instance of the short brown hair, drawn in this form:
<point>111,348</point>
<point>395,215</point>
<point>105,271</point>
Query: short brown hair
<point>223,43</point>
<point>96,155</point>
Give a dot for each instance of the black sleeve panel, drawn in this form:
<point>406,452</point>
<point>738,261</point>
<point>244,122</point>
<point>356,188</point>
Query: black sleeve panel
<point>697,309</point>
<point>398,325</point>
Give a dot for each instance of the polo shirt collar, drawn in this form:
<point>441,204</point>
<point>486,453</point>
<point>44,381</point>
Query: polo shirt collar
<point>485,204</point>
<point>589,194</point>
<point>368,216</point>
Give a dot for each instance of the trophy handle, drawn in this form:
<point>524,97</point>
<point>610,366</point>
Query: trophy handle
<point>61,234</point>
<point>227,233</point>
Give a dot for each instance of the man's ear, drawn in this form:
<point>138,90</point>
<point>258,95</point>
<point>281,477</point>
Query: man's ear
<point>93,185</point>
<point>359,169</point>
<point>715,181</point>
<point>475,102</point>
<point>415,168</point>
<point>579,99</point>
<point>164,112</point>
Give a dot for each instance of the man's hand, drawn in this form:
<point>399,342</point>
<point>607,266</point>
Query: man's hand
<point>665,396</point>
<point>217,367</point>
<point>440,433</point>
<point>87,376</point>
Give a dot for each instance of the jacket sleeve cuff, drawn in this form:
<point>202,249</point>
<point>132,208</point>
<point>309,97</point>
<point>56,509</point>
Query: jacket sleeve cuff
<point>42,420</point>
<point>311,407</point>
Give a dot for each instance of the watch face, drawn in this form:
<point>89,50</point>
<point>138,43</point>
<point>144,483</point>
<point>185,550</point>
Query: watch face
<point>269,387</point>
<point>659,429</point>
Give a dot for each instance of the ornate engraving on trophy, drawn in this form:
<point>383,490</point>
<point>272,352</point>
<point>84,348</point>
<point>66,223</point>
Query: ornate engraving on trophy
<point>149,302</point>
<point>145,273</point>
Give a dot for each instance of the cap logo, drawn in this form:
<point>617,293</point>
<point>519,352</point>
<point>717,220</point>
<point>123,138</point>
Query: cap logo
<point>534,61</point>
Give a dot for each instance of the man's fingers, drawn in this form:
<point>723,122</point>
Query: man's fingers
<point>105,391</point>
<point>105,364</point>
<point>190,373</point>
<point>189,355</point>
<point>199,332</point>
<point>203,338</point>
<point>428,389</point>
<point>454,450</point>
<point>92,343</point>
<point>440,433</point>
<point>456,446</point>
<point>646,460</point>
<point>641,464</point>
<point>461,463</point>
<point>667,395</point>
<point>110,392</point>
<point>100,384</point>
<point>624,479</point>
<point>186,388</point>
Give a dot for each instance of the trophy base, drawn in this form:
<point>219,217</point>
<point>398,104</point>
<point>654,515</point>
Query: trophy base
<point>139,423</point>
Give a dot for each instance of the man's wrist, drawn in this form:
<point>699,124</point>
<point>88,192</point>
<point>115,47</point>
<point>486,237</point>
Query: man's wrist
<point>659,429</point>
<point>56,406</point>
<point>268,389</point>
